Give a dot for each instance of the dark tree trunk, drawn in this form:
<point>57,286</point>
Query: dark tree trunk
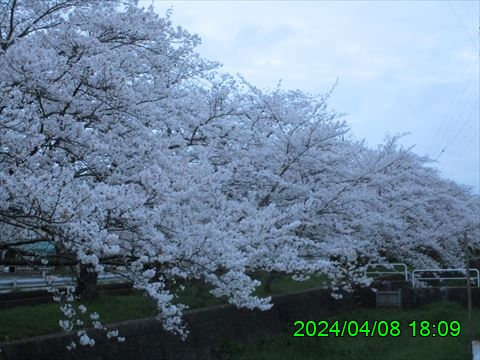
<point>200,288</point>
<point>87,283</point>
<point>10,255</point>
<point>267,286</point>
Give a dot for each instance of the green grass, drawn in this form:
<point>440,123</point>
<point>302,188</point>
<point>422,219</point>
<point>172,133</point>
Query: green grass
<point>403,347</point>
<point>26,321</point>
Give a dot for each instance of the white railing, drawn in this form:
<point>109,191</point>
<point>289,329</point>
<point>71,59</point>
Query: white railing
<point>417,278</point>
<point>25,268</point>
<point>389,269</point>
<point>35,283</point>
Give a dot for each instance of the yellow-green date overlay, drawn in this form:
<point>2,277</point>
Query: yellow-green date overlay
<point>381,328</point>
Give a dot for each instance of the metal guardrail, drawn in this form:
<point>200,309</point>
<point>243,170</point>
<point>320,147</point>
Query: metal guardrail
<point>34,283</point>
<point>403,272</point>
<point>418,279</point>
<point>25,268</point>
<point>415,276</point>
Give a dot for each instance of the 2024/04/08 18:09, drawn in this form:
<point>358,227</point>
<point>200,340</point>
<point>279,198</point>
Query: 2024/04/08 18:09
<point>372,328</point>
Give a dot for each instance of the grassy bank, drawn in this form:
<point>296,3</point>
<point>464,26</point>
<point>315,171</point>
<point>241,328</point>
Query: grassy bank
<point>26,321</point>
<point>402,347</point>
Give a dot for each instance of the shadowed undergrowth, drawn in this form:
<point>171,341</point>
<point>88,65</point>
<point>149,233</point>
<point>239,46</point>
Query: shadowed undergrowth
<point>403,347</point>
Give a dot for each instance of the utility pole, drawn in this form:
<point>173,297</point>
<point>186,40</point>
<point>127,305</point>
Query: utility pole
<point>469,295</point>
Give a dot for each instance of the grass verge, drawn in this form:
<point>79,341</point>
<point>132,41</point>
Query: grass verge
<point>402,347</point>
<point>27,321</point>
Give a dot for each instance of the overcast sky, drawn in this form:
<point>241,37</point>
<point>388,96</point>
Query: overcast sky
<point>403,66</point>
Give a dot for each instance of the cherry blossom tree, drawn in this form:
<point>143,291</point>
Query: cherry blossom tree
<point>422,217</point>
<point>100,116</point>
<point>338,198</point>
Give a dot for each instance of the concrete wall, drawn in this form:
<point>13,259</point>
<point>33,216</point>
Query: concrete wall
<point>211,327</point>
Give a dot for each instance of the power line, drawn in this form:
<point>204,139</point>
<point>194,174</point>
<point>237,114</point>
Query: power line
<point>454,160</point>
<point>469,119</point>
<point>456,105</point>
<point>472,21</point>
<point>453,106</point>
<point>465,27</point>
<point>451,131</point>
<point>460,149</point>
<point>475,135</point>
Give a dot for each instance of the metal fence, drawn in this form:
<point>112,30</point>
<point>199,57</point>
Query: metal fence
<point>421,277</point>
<point>417,277</point>
<point>39,283</point>
<point>435,275</point>
<point>388,269</point>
